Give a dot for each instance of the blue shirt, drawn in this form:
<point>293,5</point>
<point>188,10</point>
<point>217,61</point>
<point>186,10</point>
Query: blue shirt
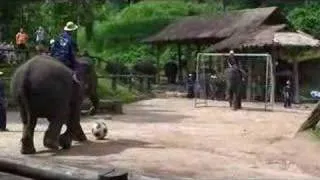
<point>62,50</point>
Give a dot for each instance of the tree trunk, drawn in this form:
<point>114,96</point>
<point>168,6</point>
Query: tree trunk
<point>312,120</point>
<point>296,81</point>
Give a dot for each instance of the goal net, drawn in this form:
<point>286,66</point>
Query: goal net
<point>257,86</point>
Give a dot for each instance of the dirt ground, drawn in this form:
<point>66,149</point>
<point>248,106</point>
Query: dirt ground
<point>170,137</point>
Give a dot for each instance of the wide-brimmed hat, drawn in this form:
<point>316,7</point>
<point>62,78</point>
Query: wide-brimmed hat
<point>231,52</point>
<point>70,26</point>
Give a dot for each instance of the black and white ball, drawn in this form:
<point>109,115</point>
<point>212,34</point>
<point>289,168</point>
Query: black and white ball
<point>99,130</point>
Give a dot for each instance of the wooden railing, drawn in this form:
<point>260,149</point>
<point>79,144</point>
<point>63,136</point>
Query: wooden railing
<point>140,82</point>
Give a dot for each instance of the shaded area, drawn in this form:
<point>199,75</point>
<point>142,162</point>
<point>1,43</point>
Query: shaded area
<point>103,148</point>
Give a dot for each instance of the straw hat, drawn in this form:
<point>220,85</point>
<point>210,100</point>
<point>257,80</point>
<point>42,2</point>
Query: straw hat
<point>70,26</point>
<point>231,52</point>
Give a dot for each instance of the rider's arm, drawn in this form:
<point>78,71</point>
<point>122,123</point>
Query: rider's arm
<point>74,63</point>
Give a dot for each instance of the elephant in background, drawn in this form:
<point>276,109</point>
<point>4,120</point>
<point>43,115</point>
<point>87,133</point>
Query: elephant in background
<point>171,70</point>
<point>145,67</point>
<point>44,88</point>
<point>234,78</point>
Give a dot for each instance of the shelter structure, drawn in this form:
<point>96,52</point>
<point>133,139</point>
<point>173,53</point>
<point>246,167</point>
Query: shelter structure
<point>207,30</point>
<point>271,38</point>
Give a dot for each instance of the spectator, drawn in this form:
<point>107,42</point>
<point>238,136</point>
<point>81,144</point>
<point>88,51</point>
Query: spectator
<point>40,36</point>
<point>3,104</point>
<point>287,95</point>
<point>21,39</point>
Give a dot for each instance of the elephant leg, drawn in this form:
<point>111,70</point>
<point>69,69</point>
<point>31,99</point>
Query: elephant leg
<point>95,103</point>
<point>239,101</point>
<point>51,138</point>
<point>75,126</point>
<point>230,96</point>
<point>234,101</point>
<point>65,140</point>
<point>238,96</point>
<point>29,123</point>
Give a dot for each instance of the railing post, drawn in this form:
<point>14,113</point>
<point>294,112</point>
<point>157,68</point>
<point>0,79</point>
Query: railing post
<point>149,79</point>
<point>114,82</point>
<point>140,83</point>
<point>130,82</point>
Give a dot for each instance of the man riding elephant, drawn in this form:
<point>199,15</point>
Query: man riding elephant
<point>234,78</point>
<point>44,88</point>
<point>64,47</point>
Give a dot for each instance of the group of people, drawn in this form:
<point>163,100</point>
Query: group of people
<point>63,49</point>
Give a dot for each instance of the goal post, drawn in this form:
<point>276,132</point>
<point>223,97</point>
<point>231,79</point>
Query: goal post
<point>258,67</point>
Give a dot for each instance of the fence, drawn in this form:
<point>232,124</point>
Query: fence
<point>140,82</point>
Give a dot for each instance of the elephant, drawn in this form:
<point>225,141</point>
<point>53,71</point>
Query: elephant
<point>45,88</point>
<point>90,88</point>
<point>117,68</point>
<point>234,78</point>
<point>145,68</point>
<point>171,70</point>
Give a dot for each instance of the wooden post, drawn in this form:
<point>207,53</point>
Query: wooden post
<point>149,79</point>
<point>296,81</point>
<point>158,63</point>
<point>179,64</point>
<point>130,82</point>
<point>114,82</point>
<point>140,83</point>
<point>188,58</point>
<point>249,82</point>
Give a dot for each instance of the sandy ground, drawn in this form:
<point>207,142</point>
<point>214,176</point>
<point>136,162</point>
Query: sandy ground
<point>170,137</point>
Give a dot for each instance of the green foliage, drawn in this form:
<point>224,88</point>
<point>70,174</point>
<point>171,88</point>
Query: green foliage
<point>119,36</point>
<point>306,18</point>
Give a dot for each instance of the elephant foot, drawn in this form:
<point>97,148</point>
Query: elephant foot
<point>92,111</point>
<point>27,148</point>
<point>65,141</point>
<point>79,137</point>
<point>51,144</point>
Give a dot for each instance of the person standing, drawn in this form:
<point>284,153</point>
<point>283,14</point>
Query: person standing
<point>287,95</point>
<point>3,104</point>
<point>21,39</point>
<point>40,36</point>
<point>21,43</point>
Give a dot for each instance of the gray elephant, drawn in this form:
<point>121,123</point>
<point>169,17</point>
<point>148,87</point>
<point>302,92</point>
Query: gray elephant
<point>44,88</point>
<point>171,70</point>
<point>234,78</point>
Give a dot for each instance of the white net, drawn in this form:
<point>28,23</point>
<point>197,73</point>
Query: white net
<point>257,86</point>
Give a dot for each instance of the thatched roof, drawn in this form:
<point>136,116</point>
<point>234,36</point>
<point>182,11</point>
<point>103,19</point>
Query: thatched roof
<point>216,28</point>
<point>260,36</point>
<point>265,36</point>
<point>295,39</point>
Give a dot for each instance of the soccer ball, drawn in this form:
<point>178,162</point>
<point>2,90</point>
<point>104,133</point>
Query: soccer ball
<point>99,130</point>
